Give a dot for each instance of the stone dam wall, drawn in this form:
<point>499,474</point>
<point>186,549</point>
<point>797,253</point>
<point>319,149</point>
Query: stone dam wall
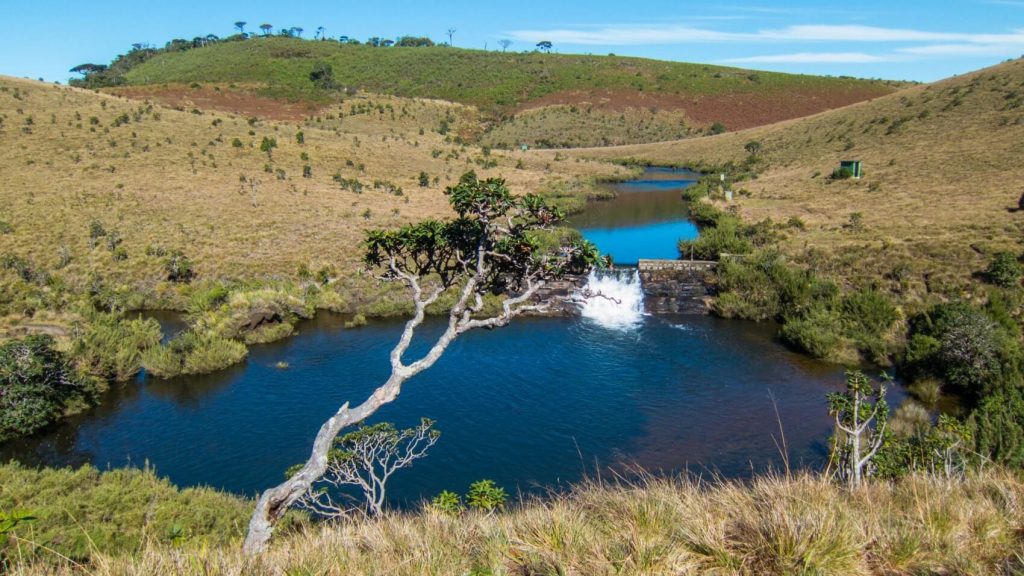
<point>670,287</point>
<point>676,286</point>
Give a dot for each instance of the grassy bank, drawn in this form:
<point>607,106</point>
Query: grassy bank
<point>772,525</point>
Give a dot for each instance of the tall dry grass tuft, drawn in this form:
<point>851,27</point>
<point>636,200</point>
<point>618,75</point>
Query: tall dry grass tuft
<point>771,525</point>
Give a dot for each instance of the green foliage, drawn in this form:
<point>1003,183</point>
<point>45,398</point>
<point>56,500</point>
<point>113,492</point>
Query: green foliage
<point>1004,270</point>
<point>974,354</point>
<point>814,332</point>
<point>842,174</point>
<point>486,496</point>
<point>178,267</point>
<point>492,81</point>
<point>941,449</point>
<point>81,511</point>
<point>998,426</point>
<point>448,502</point>
<point>110,346</point>
<point>977,354</point>
<point>38,385</point>
<point>193,353</point>
<point>267,145</point>
<point>868,315</point>
<point>717,128</point>
<point>322,76</point>
<point>447,250</point>
<point>816,319</point>
<point>9,522</point>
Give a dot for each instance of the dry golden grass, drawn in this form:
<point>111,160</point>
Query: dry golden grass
<point>173,179</point>
<point>938,184</point>
<point>774,525</point>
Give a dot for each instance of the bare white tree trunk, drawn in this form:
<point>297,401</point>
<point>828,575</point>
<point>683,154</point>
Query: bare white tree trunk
<point>274,502</point>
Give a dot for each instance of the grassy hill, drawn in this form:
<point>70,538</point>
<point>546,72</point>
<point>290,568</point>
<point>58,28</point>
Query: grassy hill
<point>683,98</point>
<point>99,190</point>
<point>942,175</point>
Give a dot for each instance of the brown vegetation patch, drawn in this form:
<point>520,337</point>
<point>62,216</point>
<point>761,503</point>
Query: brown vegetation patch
<point>239,101</point>
<point>737,111</point>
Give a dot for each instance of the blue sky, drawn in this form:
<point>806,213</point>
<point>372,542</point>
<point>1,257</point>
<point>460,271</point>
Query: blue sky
<point>900,39</point>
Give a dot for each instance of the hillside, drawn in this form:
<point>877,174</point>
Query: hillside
<point>942,180</point>
<point>98,190</point>
<point>589,95</point>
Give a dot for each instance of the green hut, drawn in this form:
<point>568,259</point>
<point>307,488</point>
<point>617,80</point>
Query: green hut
<point>853,166</point>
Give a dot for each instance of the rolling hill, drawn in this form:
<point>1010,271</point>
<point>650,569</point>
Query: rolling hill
<point>586,99</point>
<point>939,195</point>
<point>98,189</point>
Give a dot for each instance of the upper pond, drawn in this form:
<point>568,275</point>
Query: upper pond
<point>533,405</point>
<point>646,219</point>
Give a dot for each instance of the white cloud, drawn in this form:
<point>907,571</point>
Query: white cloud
<point>813,58</point>
<point>965,50</point>
<point>628,35</point>
<point>841,33</point>
<point>680,34</point>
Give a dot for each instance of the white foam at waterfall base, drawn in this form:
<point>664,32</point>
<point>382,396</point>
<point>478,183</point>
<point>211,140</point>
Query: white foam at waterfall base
<point>613,299</point>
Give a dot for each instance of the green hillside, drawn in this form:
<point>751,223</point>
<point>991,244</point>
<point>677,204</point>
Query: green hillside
<point>489,80</point>
<point>587,98</point>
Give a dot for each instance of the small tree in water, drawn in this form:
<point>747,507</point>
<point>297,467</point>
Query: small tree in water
<point>861,414</point>
<point>493,247</point>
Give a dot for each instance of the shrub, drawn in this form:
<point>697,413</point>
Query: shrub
<point>447,502</point>
<point>1004,270</point>
<point>111,346</point>
<point>998,427</point>
<point>322,76</point>
<point>38,385</point>
<point>193,353</point>
<point>486,496</point>
<point>817,333</point>
<point>178,267</point>
<point>842,174</point>
<point>868,315</point>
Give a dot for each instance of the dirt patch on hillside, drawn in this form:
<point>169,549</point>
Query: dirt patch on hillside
<point>737,111</point>
<point>239,101</point>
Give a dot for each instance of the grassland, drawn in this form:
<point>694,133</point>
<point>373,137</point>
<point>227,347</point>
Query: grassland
<point>99,190</point>
<point>129,522</point>
<point>938,199</point>
<point>503,85</point>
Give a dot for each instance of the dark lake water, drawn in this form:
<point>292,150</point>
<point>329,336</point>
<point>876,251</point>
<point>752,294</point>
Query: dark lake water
<point>646,219</point>
<point>528,405</point>
<point>532,406</point>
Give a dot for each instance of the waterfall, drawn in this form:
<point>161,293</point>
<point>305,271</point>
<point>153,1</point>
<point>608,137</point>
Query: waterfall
<point>613,299</point>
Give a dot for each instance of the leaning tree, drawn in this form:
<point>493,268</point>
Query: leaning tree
<point>499,247</point>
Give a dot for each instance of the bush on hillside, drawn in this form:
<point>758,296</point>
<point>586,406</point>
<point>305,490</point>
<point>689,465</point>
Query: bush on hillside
<point>1004,270</point>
